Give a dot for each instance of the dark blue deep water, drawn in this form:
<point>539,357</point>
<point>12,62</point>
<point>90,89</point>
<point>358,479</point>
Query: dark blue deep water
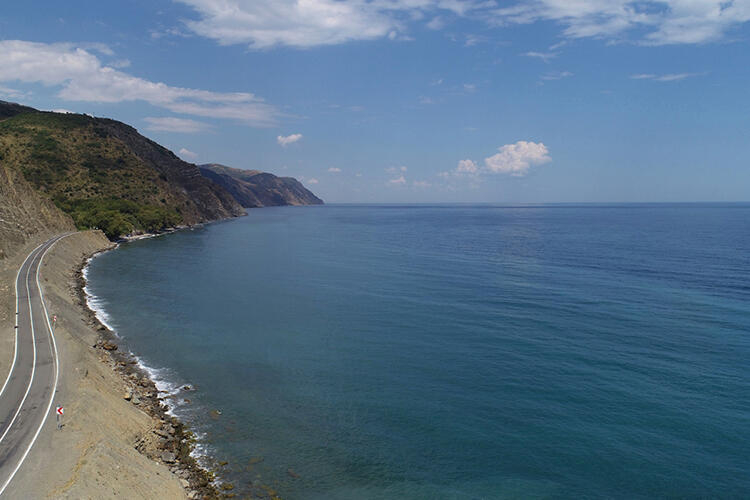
<point>455,352</point>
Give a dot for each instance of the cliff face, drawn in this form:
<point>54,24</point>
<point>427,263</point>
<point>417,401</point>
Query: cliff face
<point>253,188</point>
<point>25,214</point>
<point>105,174</point>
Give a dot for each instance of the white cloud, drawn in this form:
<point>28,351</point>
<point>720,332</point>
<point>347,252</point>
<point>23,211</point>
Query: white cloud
<point>334,170</point>
<point>436,23</point>
<point>472,40</point>
<point>81,76</point>
<point>284,141</point>
<point>559,75</point>
<point>467,167</point>
<point>102,48</point>
<point>308,23</point>
<point>671,77</point>
<point>470,87</point>
<point>262,24</point>
<point>398,181</point>
<point>63,110</point>
<point>544,56</point>
<point>186,154</point>
<point>425,100</point>
<point>421,184</point>
<point>516,159</point>
<point>8,93</point>
<point>558,45</point>
<point>172,124</point>
<point>651,22</point>
<point>393,170</point>
<point>312,180</point>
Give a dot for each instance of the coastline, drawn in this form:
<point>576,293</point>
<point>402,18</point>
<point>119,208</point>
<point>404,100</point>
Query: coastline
<point>176,444</point>
<point>196,464</point>
<point>117,438</point>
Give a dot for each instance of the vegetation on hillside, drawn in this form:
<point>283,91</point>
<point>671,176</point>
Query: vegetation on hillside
<point>118,217</point>
<point>92,174</point>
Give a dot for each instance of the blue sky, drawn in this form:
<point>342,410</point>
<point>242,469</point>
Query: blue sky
<point>413,100</point>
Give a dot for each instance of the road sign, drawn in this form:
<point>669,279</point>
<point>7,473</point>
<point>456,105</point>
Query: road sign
<point>60,410</point>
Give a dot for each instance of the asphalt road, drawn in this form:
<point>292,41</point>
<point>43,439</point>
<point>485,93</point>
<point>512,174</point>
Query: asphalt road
<point>27,396</point>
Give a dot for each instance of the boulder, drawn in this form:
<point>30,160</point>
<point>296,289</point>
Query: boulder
<point>109,346</point>
<point>161,432</point>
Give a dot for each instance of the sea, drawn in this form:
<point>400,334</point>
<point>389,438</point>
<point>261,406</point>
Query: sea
<point>452,351</point>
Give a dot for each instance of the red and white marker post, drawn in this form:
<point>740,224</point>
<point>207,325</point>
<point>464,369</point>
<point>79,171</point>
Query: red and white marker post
<point>58,414</point>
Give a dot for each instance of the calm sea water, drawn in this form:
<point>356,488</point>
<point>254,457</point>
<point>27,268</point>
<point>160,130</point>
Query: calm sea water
<point>455,352</point>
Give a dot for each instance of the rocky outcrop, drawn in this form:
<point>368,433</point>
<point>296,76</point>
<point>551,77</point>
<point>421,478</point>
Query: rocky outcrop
<point>253,188</point>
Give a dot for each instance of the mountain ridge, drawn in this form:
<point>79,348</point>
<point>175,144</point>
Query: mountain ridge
<point>254,189</point>
<point>59,171</point>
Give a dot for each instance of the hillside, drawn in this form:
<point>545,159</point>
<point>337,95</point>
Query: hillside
<point>24,214</point>
<point>104,174</point>
<point>8,109</point>
<point>253,188</point>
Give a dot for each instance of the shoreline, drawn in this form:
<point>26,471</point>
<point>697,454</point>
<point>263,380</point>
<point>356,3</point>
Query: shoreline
<point>176,445</point>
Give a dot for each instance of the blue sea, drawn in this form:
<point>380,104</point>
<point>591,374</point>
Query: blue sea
<point>453,351</point>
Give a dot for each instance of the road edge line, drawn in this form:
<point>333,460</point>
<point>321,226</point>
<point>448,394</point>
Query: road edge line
<point>15,342</point>
<point>57,366</point>
<point>33,363</point>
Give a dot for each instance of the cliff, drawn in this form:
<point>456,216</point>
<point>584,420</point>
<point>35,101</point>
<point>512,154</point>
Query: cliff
<point>253,188</point>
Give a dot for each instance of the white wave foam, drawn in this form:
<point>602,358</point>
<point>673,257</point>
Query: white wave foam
<point>93,302</point>
<point>164,380</point>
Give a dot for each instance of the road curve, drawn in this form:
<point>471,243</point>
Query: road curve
<point>27,396</point>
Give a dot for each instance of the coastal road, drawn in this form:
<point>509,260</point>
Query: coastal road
<point>27,396</point>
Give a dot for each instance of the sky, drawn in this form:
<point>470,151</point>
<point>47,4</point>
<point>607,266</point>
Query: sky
<point>518,101</point>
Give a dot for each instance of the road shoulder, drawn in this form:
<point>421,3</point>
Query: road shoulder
<point>94,455</point>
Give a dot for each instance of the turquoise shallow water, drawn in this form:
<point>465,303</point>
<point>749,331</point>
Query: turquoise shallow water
<point>458,352</point>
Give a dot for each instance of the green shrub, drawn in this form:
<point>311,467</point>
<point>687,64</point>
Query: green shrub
<point>117,217</point>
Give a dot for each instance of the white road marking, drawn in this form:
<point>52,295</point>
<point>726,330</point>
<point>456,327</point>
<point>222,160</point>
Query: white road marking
<point>15,344</point>
<point>56,358</point>
<point>33,365</point>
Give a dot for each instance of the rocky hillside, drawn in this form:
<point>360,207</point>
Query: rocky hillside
<point>104,174</point>
<point>25,214</point>
<point>253,188</point>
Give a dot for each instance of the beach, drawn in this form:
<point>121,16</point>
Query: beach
<point>116,439</point>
